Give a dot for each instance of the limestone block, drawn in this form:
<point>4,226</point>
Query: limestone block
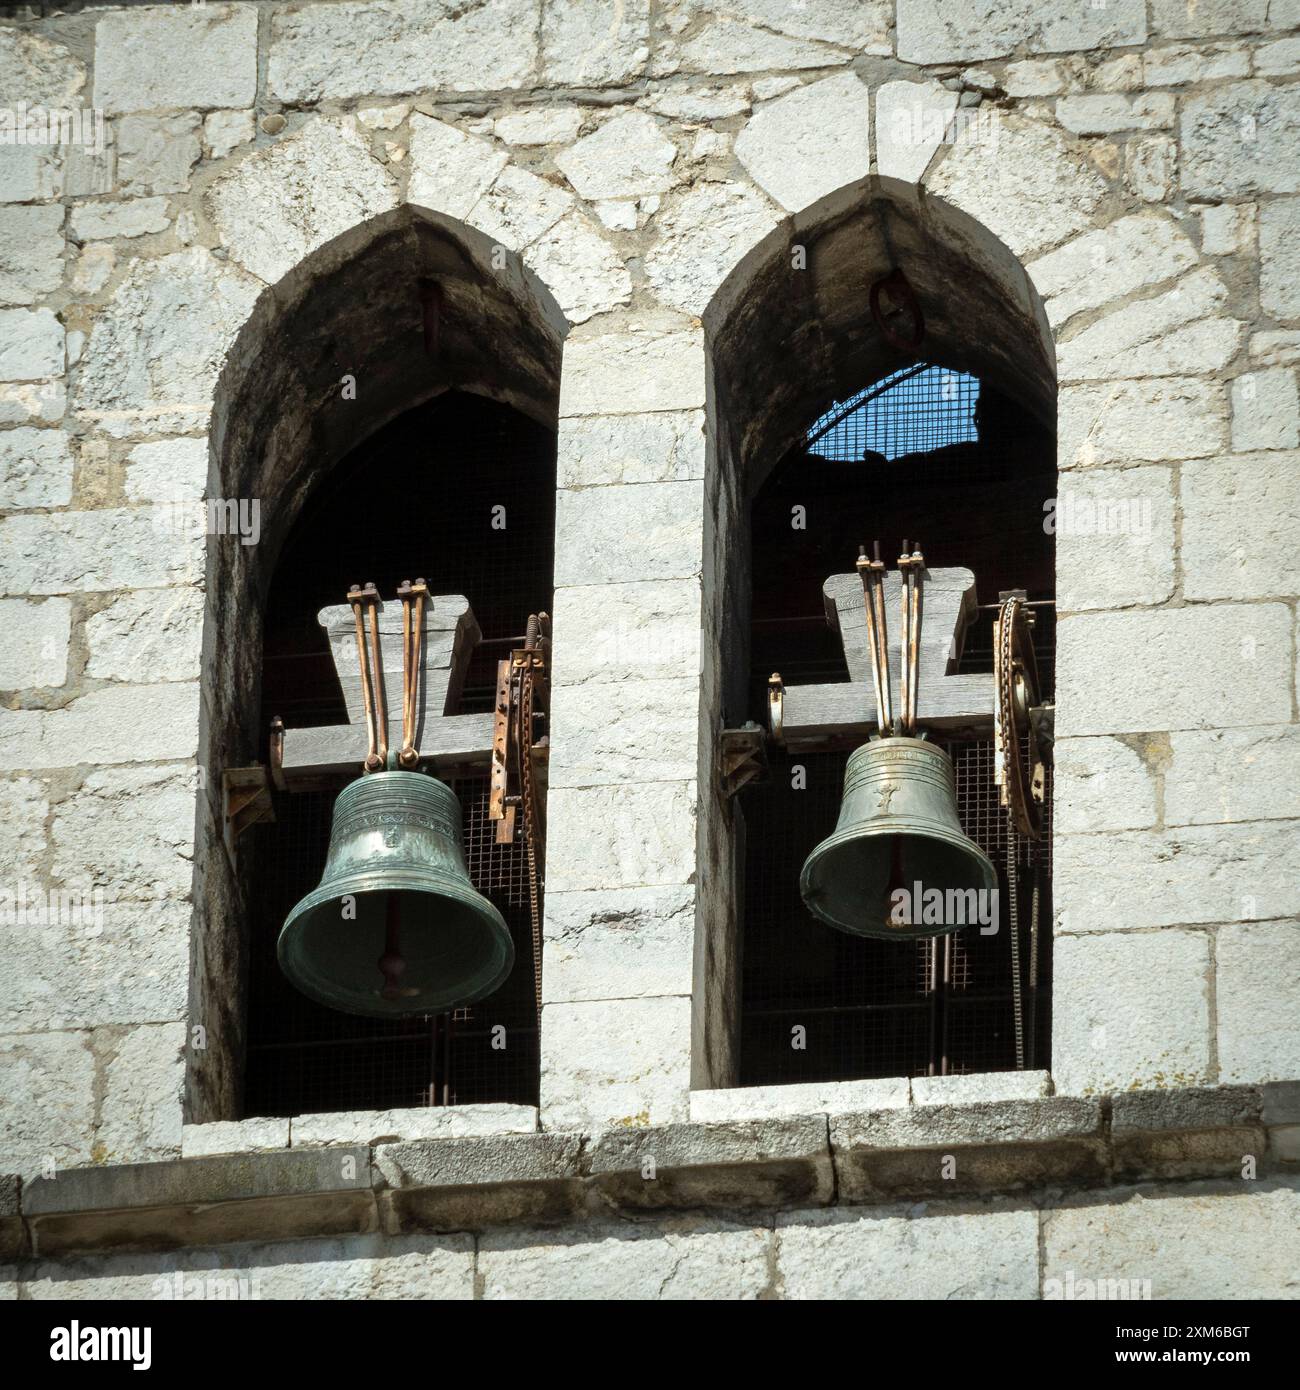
<point>1114,533</point>
<point>803,1098</point>
<point>224,131</point>
<point>1227,228</point>
<point>1151,166</point>
<point>34,643</point>
<point>23,809</point>
<point>1130,1010</point>
<point>1245,1243</point>
<point>809,142</point>
<point>41,401</point>
<point>1034,77</point>
<point>280,204</point>
<point>31,253</point>
<point>1109,263</point>
<point>703,234</point>
<point>580,268</point>
<point>627,157</point>
<point>156,153</point>
<point>417,1122</point>
<point>621,837</point>
<point>389,48</point>
<point>728,43</point>
<point>1241,525</point>
<point>96,962</point>
<point>93,268</point>
<point>1101,784</point>
<point>964,30</point>
<point>628,373</point>
<point>912,121</point>
<point>450,171</point>
<point>30,173</point>
<point>138,66</point>
<point>140,1113</point>
<point>1193,874</point>
<point>1180,332</point>
<point>616,1062</point>
<point>154,353</point>
<point>38,71</point>
<point>1240,139</point>
<point>35,469</point>
<point>146,635</point>
<point>629,943</point>
<point>349,1267</point>
<point>1176,19</point>
<point>585,45</point>
<point>890,1253</point>
<point>1217,775</point>
<point>667,446</point>
<point>155,859</point>
<point>981,1088</point>
<point>72,552</point>
<point>609,535</point>
<point>648,631</point>
<point>1183,64</point>
<point>639,730</point>
<point>1140,421</point>
<point>125,218</point>
<point>1029,186</point>
<point>1279,258</point>
<point>118,724</point>
<point>47,1120</point>
<point>1257,997</point>
<point>234,1137</point>
<point>1272,348</point>
<point>31,345</point>
<point>1278,59</point>
<point>167,470</point>
<point>538,125</point>
<point>693,1258</point>
<point>519,208</point>
<point>1107,113</point>
<point>707,104</point>
<point>1265,410</point>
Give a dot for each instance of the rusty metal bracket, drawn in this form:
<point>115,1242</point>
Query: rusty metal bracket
<point>245,798</point>
<point>742,757</point>
<point>520,714</point>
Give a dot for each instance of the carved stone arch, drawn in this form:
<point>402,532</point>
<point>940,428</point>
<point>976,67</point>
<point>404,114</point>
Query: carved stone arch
<point>379,318</point>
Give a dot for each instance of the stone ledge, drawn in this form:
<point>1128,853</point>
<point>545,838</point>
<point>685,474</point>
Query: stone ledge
<point>1201,1132</point>
<point>199,1201</point>
<point>480,1181</point>
<point>442,1184</point>
<point>752,1163</point>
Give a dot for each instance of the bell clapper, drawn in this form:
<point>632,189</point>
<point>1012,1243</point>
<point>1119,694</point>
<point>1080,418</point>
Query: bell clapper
<point>392,963</point>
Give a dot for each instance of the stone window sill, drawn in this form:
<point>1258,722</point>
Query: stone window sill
<point>356,1127</point>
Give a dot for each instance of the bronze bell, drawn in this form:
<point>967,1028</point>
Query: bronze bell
<point>395,927</point>
<point>898,830</point>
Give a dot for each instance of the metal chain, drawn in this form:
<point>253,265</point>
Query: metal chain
<point>1013,920</point>
<point>530,829</point>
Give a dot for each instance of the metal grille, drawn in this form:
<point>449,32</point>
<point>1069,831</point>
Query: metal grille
<point>868,1007</point>
<point>911,411</point>
<point>450,462</point>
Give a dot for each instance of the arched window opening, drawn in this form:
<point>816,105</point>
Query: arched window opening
<point>827,432</point>
<point>931,453</point>
<point>391,406</point>
<point>419,494</point>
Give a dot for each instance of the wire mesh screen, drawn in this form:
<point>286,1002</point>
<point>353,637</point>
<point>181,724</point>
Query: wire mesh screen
<point>916,409</point>
<point>818,1004</point>
<point>417,499</point>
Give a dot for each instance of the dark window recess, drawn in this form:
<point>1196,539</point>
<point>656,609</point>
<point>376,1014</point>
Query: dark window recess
<point>937,455</point>
<point>416,499</point>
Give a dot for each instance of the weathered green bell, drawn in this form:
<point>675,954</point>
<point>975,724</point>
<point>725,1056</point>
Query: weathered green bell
<point>395,927</point>
<point>898,864</point>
